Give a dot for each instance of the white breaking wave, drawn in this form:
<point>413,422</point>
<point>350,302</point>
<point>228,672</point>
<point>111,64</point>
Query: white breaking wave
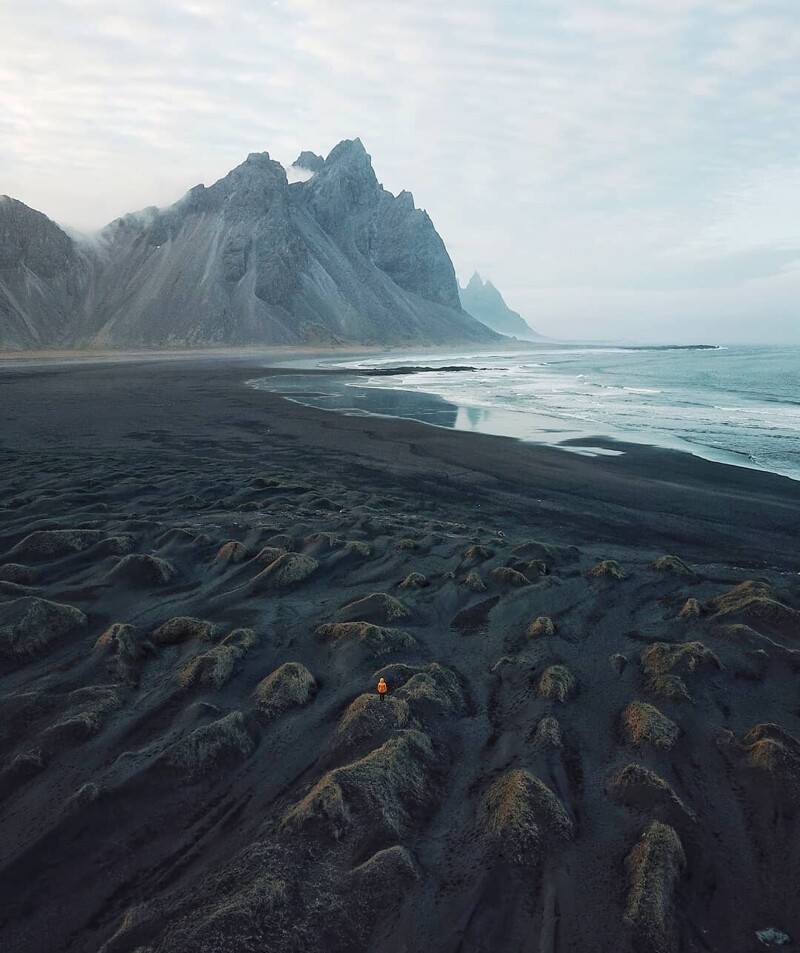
<point>667,396</point>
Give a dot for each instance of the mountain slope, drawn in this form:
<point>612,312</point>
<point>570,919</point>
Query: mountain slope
<point>43,278</point>
<point>484,302</point>
<point>251,259</point>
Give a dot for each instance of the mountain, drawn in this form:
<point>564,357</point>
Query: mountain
<point>43,278</point>
<point>484,302</point>
<point>251,260</point>
<point>309,161</point>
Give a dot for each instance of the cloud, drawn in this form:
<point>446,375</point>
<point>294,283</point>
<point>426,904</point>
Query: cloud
<point>593,157</point>
<point>296,173</point>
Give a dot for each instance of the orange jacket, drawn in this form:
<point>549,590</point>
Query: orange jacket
<point>382,687</point>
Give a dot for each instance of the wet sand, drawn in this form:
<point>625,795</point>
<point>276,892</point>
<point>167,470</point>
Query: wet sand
<point>179,788</point>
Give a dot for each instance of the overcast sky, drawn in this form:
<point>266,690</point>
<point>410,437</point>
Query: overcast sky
<point>620,170</point>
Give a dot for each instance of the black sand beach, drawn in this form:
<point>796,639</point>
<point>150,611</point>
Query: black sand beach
<point>585,746</point>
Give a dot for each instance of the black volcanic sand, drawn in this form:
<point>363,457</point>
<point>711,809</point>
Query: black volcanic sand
<point>584,747</point>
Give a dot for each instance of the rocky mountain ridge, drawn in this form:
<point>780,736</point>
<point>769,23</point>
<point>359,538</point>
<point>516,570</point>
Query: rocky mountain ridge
<point>250,260</point>
<point>484,302</point>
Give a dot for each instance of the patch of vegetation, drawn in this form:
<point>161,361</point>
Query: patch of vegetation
<point>478,553</point>
<point>557,683</point>
<point>642,723</point>
<point>654,868</point>
<point>541,627</point>
<point>608,569</point>
<point>377,607</point>
<point>548,734</point>
<point>636,786</point>
<point>369,718</point>
<point>376,639</point>
<point>507,577</point>
<point>671,564</point>
<point>474,582</point>
<point>287,570</point>
<point>54,543</point>
<point>231,552</point>
<point>21,575</point>
<point>29,625</point>
<point>289,686</point>
<point>521,818</point>
<point>754,601</point>
<point>414,580</point>
<point>181,629</point>
<point>209,748</point>
<point>213,669</point>
<point>378,794</point>
<point>434,689</point>
<point>143,570</point>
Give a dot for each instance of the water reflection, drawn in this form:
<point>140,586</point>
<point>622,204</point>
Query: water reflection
<point>476,415</point>
<point>345,396</point>
<point>352,399</point>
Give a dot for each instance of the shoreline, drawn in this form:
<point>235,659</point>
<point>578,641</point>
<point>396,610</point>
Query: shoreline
<point>56,356</point>
<point>90,356</point>
<point>571,435</point>
<point>177,549</point>
<point>663,487</point>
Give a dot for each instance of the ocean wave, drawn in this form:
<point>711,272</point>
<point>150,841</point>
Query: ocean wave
<point>733,404</point>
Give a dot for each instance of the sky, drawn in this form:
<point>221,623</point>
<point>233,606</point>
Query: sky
<point>620,169</point>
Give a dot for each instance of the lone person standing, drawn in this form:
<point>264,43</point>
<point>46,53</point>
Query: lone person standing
<point>383,688</point>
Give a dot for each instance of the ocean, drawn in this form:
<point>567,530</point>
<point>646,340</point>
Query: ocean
<point>738,405</point>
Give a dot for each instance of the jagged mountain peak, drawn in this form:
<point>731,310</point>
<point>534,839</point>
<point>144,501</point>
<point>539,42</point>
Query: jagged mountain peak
<point>29,237</point>
<point>308,160</point>
<point>258,166</point>
<point>483,301</point>
<point>42,278</point>
<point>250,259</point>
<point>351,150</point>
<point>405,200</point>
<point>344,194</point>
<point>349,159</point>
<point>257,160</point>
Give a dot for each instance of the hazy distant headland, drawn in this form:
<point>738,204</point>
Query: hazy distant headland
<point>482,300</point>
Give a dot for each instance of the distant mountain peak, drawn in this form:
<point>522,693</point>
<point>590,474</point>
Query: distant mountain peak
<point>483,301</point>
<point>308,160</point>
<point>258,167</point>
<point>257,158</point>
<point>350,151</point>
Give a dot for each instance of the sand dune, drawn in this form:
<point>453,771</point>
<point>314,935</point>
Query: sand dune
<point>590,740</point>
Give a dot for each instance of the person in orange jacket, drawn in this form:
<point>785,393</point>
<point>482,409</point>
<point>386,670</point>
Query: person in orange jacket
<point>383,688</point>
